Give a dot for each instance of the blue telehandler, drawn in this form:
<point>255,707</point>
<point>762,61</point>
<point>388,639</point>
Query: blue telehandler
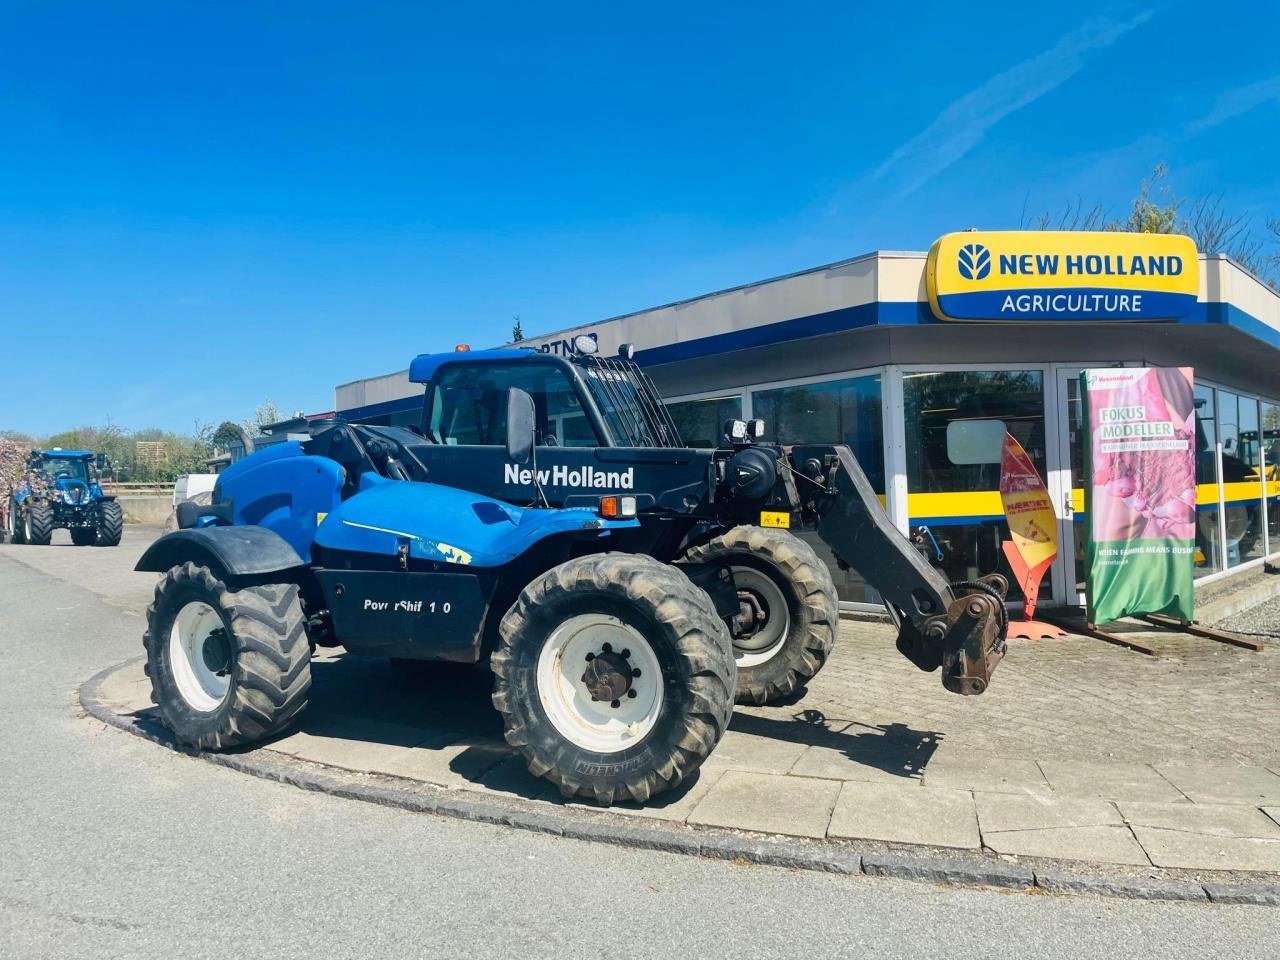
<point>62,489</point>
<point>543,516</point>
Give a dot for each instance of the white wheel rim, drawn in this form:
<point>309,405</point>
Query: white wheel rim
<point>593,724</point>
<point>199,685</point>
<point>761,584</point>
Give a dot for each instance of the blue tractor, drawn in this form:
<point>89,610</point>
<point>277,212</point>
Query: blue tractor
<point>543,517</point>
<point>62,489</point>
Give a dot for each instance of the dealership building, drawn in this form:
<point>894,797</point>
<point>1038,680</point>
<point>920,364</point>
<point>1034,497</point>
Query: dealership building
<point>886,352</point>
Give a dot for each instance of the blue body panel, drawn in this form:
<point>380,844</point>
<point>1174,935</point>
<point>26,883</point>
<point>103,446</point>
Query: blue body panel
<point>423,367</point>
<point>288,492</point>
<point>448,525</point>
<point>284,490</point>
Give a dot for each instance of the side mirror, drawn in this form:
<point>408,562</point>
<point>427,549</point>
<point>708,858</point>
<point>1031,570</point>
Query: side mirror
<point>521,429</point>
<point>101,462</point>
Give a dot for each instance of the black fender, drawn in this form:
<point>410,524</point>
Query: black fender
<point>243,551</point>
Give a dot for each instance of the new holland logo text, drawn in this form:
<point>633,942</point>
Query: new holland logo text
<point>1082,265</point>
<point>565,476</point>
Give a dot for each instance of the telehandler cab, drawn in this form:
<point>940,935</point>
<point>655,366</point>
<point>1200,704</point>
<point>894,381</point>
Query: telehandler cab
<point>546,516</point>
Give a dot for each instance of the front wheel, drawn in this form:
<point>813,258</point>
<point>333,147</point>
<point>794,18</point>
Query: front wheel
<point>37,523</point>
<point>788,610</point>
<point>13,522</point>
<point>226,667</point>
<point>110,524</point>
<point>614,677</point>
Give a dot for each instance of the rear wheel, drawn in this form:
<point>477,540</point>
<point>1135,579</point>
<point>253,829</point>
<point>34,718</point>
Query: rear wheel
<point>110,524</point>
<point>83,536</point>
<point>37,523</point>
<point>226,667</point>
<point>614,677</point>
<point>788,615</point>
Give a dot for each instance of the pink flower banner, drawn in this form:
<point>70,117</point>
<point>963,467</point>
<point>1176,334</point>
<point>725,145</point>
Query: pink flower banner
<point>1140,494</point>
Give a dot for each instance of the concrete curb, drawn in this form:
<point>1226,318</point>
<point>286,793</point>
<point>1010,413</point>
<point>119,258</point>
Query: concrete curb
<point>604,827</point>
<point>1232,603</point>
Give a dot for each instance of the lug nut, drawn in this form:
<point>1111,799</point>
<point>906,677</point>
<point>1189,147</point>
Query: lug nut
<point>635,672</point>
<point>590,657</point>
<point>606,648</point>
<point>626,654</point>
<point>616,704</point>
<point>631,694</point>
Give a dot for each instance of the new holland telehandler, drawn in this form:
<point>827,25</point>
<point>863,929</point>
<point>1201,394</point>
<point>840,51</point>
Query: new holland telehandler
<point>545,516</point>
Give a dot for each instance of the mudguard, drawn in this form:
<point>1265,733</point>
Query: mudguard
<point>239,551</point>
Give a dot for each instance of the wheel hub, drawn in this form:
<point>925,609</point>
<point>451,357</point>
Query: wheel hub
<point>751,619</point>
<point>600,682</point>
<point>764,620</point>
<point>216,652</point>
<point>608,675</point>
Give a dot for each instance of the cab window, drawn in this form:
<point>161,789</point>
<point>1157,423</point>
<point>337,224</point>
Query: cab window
<point>469,405</point>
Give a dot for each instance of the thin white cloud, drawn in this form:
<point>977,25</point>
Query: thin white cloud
<point>1235,102</point>
<point>964,122</point>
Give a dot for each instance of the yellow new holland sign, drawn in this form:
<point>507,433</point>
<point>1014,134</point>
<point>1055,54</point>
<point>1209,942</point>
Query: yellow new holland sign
<point>1018,275</point>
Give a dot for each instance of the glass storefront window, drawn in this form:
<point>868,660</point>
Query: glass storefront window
<point>1269,443</point>
<point>1208,554</point>
<point>1241,480</point>
<point>837,411</point>
<point>701,422</point>
<point>954,501</point>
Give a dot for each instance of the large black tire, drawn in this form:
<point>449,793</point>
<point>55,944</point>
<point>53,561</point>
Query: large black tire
<point>669,621</point>
<point>84,536</point>
<point>110,524</point>
<point>37,523</point>
<point>260,648</point>
<point>13,522</point>
<point>776,655</point>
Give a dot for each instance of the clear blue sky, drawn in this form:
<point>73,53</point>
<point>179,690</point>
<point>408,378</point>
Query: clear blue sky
<point>204,205</point>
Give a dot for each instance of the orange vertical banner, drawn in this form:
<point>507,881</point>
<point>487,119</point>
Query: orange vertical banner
<point>1033,528</point>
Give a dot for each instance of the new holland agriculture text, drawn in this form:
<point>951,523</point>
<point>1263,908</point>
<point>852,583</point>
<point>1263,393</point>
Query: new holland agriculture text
<point>1062,276</point>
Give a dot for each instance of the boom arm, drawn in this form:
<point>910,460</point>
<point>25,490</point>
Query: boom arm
<point>959,627</point>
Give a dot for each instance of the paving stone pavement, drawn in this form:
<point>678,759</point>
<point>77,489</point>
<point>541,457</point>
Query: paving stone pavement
<point>1079,751</point>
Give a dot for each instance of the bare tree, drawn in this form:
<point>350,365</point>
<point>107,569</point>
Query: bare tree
<point>1157,209</point>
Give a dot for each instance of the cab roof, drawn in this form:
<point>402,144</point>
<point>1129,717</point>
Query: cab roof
<point>67,454</point>
<point>424,366</point>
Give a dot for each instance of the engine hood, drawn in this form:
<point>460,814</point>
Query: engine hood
<point>447,525</point>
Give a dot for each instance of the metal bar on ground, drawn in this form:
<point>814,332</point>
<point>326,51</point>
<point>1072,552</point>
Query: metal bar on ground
<point>1209,633</point>
<point>1091,630</point>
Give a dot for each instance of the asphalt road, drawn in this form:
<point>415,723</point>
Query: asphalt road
<point>113,847</point>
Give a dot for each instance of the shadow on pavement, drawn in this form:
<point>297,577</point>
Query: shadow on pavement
<point>892,747</point>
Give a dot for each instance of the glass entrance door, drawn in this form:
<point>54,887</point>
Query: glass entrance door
<point>1066,486</point>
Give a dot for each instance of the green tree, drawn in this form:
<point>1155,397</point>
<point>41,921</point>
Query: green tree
<point>517,330</point>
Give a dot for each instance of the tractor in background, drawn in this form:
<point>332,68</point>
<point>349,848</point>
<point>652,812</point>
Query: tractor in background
<point>62,489</point>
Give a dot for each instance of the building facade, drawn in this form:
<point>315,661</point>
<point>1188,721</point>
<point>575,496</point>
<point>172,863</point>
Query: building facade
<point>855,352</point>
